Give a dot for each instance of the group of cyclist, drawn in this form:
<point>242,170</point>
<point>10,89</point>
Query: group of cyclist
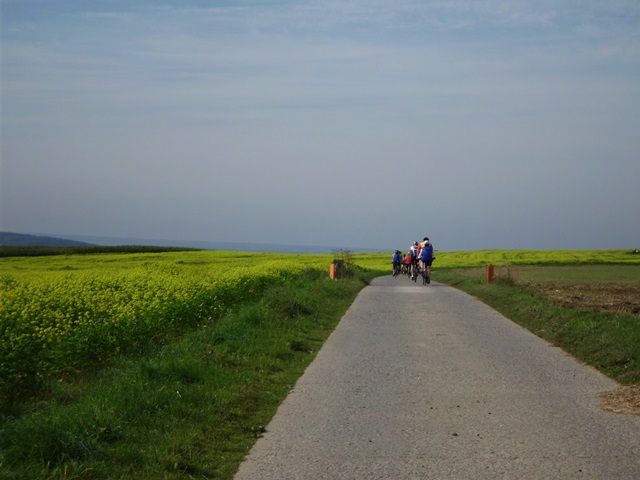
<point>418,259</point>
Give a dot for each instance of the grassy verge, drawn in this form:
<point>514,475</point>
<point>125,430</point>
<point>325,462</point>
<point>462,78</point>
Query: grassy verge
<point>606,340</point>
<point>65,314</point>
<point>189,410</point>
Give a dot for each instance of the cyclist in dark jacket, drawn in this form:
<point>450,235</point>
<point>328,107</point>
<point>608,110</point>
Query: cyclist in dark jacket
<point>426,256</point>
<point>396,260</point>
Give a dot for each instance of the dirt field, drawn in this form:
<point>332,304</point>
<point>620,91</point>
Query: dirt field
<point>604,297</point>
<point>598,288</point>
<point>620,298</point>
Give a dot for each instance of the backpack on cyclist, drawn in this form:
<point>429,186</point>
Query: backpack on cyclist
<point>427,253</point>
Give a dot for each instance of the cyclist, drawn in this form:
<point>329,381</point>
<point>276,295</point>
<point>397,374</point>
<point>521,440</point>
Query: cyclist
<point>425,240</point>
<point>406,264</point>
<point>396,260</point>
<point>414,251</point>
<point>426,256</point>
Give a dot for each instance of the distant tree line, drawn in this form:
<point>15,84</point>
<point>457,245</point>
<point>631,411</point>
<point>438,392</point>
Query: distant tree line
<point>10,239</point>
<point>36,251</point>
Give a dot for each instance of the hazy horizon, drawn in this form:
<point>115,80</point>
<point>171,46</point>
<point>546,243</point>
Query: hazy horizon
<point>483,125</point>
<point>255,247</point>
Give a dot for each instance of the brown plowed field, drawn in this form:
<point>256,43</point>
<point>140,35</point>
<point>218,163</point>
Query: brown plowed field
<point>601,297</point>
<point>598,288</point>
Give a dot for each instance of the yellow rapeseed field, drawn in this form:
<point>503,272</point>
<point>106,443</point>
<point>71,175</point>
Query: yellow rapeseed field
<point>60,313</point>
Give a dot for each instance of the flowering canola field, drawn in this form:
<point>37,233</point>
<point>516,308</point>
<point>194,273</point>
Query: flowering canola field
<point>62,313</point>
<point>59,314</point>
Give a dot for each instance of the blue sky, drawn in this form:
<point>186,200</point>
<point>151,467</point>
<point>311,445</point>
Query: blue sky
<point>482,124</point>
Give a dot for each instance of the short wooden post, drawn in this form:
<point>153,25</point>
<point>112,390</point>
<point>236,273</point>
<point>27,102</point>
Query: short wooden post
<point>337,269</point>
<point>489,273</point>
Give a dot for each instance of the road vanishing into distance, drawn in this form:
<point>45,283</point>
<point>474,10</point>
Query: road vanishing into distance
<point>426,382</point>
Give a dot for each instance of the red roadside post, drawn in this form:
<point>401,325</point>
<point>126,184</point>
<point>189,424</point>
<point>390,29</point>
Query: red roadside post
<point>489,273</point>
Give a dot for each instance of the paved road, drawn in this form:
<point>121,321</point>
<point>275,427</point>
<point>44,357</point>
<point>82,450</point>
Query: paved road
<point>428,383</point>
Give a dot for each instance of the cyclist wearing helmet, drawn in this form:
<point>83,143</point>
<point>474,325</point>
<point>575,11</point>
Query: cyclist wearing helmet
<point>396,260</point>
<point>406,264</point>
<point>426,256</point>
<point>425,240</point>
<point>414,251</point>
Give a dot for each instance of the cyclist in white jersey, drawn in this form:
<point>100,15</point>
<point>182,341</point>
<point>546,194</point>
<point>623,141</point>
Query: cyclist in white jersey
<point>414,251</point>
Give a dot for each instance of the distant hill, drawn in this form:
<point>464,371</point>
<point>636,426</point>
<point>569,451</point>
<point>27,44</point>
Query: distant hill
<point>229,246</point>
<point>9,239</point>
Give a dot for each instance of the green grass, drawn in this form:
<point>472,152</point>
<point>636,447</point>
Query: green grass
<point>571,274</point>
<point>536,257</point>
<point>481,258</point>
<point>65,313</point>
<point>190,410</point>
<point>192,405</point>
<point>608,341</point>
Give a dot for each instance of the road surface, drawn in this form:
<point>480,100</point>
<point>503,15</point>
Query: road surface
<point>425,382</point>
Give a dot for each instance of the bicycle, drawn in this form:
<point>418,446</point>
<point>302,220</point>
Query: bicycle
<point>426,276</point>
<point>397,270</point>
<point>406,269</point>
<point>416,271</point>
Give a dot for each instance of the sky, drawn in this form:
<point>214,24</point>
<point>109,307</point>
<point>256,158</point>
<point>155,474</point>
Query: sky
<point>483,124</point>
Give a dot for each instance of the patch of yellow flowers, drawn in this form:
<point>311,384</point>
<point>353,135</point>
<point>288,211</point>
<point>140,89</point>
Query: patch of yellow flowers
<point>56,314</point>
